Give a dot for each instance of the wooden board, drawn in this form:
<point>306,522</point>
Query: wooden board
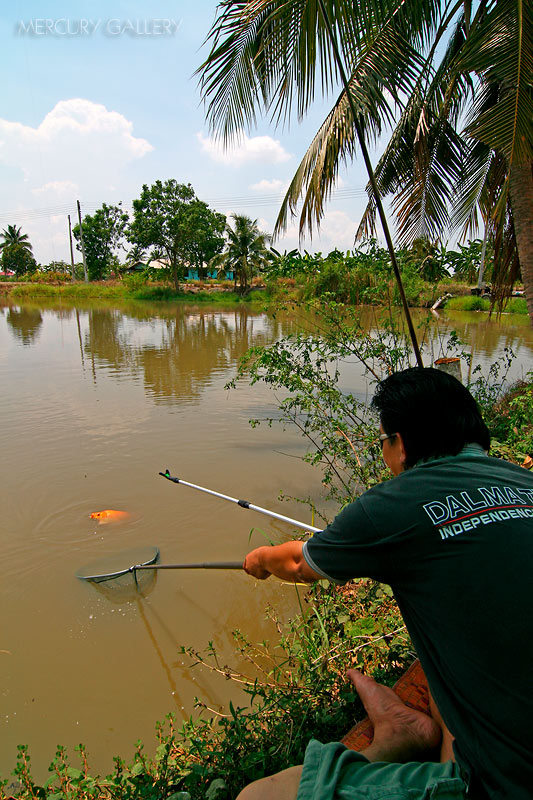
<point>412,688</point>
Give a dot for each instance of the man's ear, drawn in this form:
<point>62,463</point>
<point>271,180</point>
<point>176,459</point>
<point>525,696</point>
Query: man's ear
<point>403,452</point>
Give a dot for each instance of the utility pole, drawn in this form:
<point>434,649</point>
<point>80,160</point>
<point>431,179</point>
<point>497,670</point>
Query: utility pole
<point>71,250</point>
<point>82,246</point>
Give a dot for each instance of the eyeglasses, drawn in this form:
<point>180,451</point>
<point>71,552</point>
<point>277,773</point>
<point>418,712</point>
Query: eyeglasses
<point>384,436</point>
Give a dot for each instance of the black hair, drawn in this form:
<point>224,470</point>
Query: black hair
<point>435,414</point>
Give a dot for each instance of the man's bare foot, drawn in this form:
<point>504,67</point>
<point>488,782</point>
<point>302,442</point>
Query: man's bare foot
<point>400,733</point>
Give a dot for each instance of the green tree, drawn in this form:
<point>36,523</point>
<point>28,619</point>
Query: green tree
<point>18,259</point>
<point>56,266</point>
<point>12,235</point>
<point>182,230</point>
<point>103,234</point>
<point>428,259</point>
<point>466,261</point>
<point>283,265</point>
<point>455,79</point>
<point>246,251</point>
<point>16,251</point>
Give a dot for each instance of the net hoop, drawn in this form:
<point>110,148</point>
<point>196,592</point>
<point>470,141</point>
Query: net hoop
<point>91,573</point>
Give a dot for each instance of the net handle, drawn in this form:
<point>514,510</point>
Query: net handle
<point>200,565</point>
<point>242,503</point>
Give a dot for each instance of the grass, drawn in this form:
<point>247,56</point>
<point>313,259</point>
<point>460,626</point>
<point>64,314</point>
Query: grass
<point>136,288</point>
<point>70,290</point>
<point>515,305</point>
<point>123,291</point>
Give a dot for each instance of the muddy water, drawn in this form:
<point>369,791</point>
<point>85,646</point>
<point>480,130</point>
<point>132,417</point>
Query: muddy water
<point>94,402</point>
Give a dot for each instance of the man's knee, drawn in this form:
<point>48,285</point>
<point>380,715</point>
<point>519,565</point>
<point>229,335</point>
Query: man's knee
<point>281,786</point>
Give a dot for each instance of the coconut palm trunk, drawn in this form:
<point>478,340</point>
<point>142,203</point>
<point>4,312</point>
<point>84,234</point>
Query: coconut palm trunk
<point>521,191</point>
<point>244,275</point>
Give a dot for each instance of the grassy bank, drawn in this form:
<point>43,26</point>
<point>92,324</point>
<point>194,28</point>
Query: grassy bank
<point>348,288</point>
<point>120,290</point>
<point>514,305</point>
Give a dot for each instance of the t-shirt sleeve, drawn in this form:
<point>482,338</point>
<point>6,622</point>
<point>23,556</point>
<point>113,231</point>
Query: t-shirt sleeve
<point>350,547</point>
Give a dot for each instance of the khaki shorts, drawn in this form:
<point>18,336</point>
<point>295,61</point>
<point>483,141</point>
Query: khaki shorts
<point>333,772</point>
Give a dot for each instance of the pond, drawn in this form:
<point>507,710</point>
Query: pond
<point>96,401</point>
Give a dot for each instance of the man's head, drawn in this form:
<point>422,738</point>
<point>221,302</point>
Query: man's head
<point>432,411</point>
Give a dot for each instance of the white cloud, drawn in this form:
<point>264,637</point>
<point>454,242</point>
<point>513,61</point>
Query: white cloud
<point>337,230</point>
<point>275,186</point>
<point>78,151</point>
<point>248,150</point>
<point>58,189</point>
<point>76,134</point>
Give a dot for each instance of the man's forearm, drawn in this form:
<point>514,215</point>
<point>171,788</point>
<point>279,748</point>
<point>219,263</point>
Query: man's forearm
<point>285,561</point>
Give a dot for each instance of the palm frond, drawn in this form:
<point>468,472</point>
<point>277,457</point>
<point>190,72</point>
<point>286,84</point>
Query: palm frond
<point>422,204</point>
<point>465,212</point>
<point>422,161</point>
<point>376,77</point>
<point>267,54</point>
<point>500,50</point>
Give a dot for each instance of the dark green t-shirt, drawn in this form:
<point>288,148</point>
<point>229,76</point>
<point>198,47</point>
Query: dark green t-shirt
<point>454,539</point>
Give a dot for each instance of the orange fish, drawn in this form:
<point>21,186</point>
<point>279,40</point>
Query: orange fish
<point>109,515</point>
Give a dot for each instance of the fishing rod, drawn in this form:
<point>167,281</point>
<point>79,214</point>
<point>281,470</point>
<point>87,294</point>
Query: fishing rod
<point>242,503</point>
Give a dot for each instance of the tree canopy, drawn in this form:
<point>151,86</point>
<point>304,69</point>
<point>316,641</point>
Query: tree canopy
<point>16,251</point>
<point>18,259</point>
<point>246,250</point>
<point>103,234</point>
<point>13,235</point>
<point>181,229</point>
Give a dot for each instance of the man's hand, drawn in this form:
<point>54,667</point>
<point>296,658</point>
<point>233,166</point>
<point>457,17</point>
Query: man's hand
<point>285,561</point>
<point>253,565</point>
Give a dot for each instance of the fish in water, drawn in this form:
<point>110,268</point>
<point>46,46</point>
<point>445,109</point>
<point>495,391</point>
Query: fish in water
<point>109,515</point>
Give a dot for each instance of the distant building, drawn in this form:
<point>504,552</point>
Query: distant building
<point>211,274</point>
<point>191,273</point>
<point>139,266</point>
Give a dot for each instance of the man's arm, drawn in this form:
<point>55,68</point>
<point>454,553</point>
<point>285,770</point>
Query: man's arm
<point>285,561</point>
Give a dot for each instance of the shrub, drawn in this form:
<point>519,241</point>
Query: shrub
<point>54,277</point>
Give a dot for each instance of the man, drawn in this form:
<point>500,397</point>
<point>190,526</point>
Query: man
<point>452,533</point>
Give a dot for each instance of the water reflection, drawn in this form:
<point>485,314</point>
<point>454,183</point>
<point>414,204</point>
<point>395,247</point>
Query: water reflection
<point>489,336</point>
<point>178,354</point>
<point>176,351</point>
<point>25,323</point>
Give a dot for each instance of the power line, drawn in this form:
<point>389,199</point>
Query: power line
<point>243,201</point>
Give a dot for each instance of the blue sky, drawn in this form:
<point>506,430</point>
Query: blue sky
<point>91,109</point>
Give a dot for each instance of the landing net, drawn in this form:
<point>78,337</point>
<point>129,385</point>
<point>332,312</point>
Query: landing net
<point>120,564</point>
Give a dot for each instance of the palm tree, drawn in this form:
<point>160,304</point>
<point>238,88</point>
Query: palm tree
<point>12,235</point>
<point>246,251</point>
<point>428,260</point>
<point>453,79</point>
